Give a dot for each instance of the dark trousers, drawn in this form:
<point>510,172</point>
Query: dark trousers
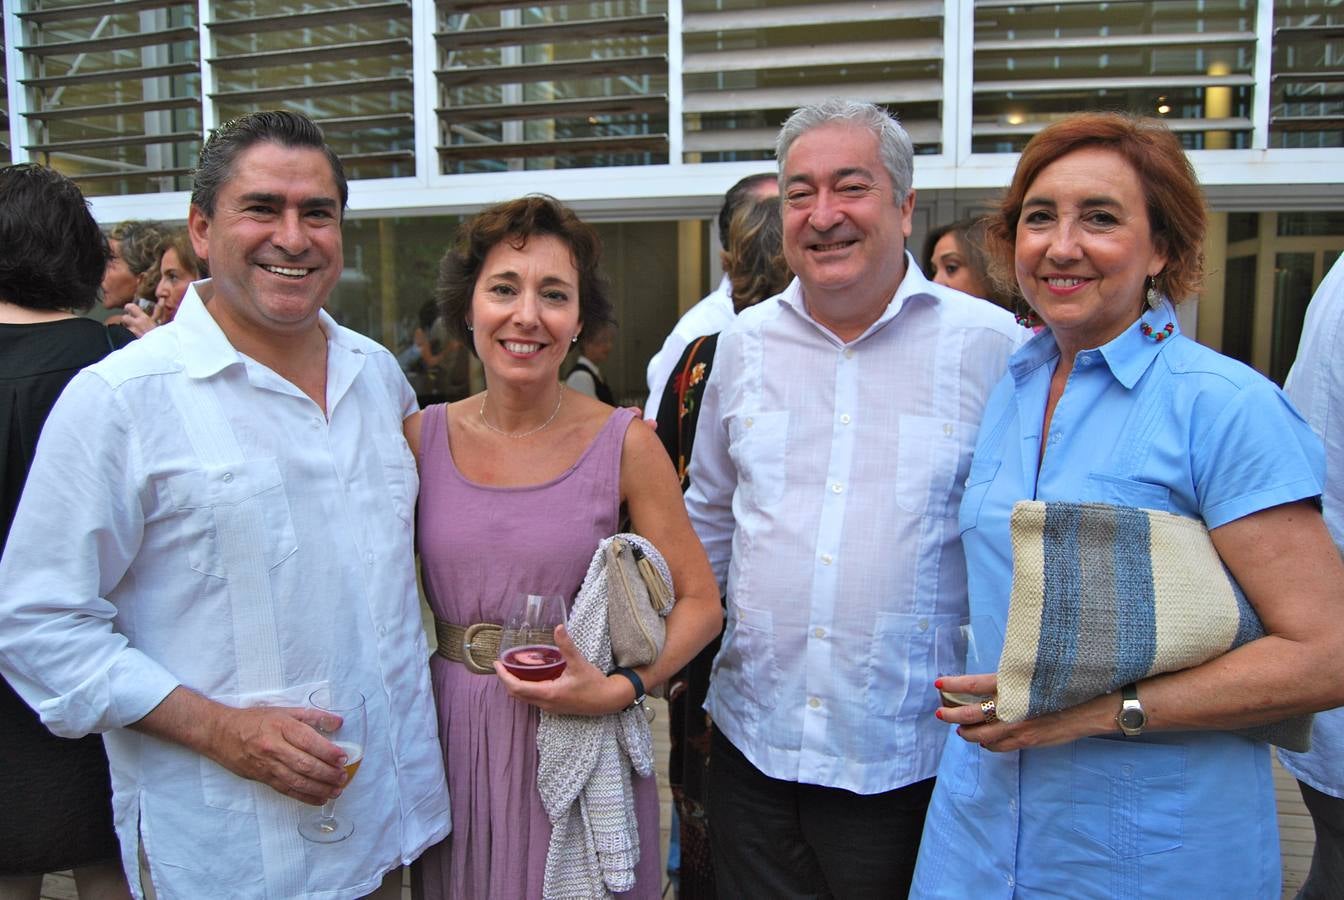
<point>781,839</point>
<point>1325,880</point>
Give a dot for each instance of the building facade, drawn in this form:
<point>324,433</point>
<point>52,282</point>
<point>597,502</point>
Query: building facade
<point>640,113</point>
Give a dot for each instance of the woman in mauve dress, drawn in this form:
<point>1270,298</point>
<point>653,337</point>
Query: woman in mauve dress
<point>518,485</point>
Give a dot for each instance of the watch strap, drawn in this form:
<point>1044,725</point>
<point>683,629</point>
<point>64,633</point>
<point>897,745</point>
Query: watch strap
<point>635,681</point>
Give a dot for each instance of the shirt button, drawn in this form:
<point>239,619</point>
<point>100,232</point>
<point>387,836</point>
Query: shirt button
<point>317,423</point>
<point>228,476</point>
<point>819,632</point>
<point>813,702</point>
<point>836,488</point>
<point>382,630</point>
<point>844,419</point>
<point>826,559</point>
<point>948,430</point>
<point>1012,805</point>
<point>749,421</point>
<point>1126,771</point>
<point>368,558</point>
<point>923,624</point>
<point>849,354</point>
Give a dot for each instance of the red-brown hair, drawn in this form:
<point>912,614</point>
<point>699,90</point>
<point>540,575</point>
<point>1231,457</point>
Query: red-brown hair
<point>1176,213</point>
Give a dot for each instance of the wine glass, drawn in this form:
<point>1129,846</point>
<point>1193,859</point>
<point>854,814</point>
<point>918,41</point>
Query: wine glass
<point>527,644</point>
<point>968,646</point>
<point>323,826</point>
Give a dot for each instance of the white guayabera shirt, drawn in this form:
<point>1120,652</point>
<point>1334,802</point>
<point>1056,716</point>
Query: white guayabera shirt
<point>192,518</point>
<point>1316,387</point>
<point>824,484</point>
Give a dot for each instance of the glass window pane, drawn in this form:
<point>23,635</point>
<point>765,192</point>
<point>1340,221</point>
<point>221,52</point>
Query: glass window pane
<point>1239,308</point>
<point>1307,95</point>
<point>1292,293</point>
<point>1190,63</point>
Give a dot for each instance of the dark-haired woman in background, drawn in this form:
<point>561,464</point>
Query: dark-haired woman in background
<point>954,255</point>
<point>518,485</point>
<point>754,263</point>
<point>56,792</point>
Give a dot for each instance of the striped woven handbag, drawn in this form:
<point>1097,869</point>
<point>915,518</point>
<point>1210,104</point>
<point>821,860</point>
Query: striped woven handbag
<point>1105,595</point>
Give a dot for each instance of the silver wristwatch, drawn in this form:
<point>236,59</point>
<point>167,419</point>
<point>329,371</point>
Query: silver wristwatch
<point>1131,717</point>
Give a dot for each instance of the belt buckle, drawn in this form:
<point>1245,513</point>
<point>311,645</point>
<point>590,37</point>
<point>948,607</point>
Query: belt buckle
<point>468,659</point>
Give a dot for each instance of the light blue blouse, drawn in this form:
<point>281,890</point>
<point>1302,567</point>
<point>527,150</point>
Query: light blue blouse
<point>1171,426</point>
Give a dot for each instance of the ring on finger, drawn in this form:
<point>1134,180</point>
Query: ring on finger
<point>987,707</point>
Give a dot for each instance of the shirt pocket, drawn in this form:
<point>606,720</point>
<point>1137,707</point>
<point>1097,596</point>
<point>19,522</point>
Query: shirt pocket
<point>222,789</point>
<point>254,488</point>
<point>1103,487</point>
<point>978,482</point>
<point>899,679</point>
<point>758,444</point>
<point>1128,796</point>
<point>749,647</point>
<point>928,454</point>
<point>400,475</point>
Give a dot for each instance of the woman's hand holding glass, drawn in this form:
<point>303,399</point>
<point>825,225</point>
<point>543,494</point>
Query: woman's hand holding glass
<point>581,689</point>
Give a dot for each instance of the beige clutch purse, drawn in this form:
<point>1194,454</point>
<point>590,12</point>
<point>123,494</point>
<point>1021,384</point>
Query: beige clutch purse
<point>639,595</point>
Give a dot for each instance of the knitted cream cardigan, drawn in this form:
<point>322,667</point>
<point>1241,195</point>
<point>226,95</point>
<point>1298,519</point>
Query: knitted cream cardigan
<point>583,770</point>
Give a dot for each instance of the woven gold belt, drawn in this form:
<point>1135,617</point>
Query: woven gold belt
<point>474,646</point>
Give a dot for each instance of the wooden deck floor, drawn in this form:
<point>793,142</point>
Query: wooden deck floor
<point>1296,835</point>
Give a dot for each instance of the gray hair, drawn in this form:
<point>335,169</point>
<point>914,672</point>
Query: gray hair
<point>226,143</point>
<point>893,144</point>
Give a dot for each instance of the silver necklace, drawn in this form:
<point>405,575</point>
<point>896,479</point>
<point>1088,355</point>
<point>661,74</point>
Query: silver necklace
<point>522,434</point>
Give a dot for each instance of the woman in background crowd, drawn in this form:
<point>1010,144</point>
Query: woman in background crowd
<point>1103,227</point>
<point>754,263</point>
<point>518,485</point>
<point>585,376</point>
<point>954,255</point>
<point>57,793</point>
<point>134,245</point>
<point>177,266</point>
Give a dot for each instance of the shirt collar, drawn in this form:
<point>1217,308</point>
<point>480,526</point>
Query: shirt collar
<point>206,350</point>
<point>913,285</point>
<point>1128,355</point>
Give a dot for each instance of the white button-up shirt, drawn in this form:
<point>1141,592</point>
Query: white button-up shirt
<point>1316,387</point>
<point>252,555</point>
<point>824,485</point>
<point>710,316</point>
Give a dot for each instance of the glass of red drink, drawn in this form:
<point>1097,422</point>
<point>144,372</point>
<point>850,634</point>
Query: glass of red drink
<point>527,645</point>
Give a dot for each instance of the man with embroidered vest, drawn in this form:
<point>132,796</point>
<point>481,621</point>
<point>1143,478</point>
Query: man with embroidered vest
<point>217,523</point>
<point>834,438</point>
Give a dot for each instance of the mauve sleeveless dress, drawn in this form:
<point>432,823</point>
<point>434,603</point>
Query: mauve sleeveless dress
<point>480,547</point>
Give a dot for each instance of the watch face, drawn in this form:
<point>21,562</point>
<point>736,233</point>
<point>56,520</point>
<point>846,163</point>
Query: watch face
<point>1132,718</point>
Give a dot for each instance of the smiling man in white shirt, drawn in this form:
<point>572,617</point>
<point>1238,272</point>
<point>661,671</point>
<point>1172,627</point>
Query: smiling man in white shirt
<point>217,523</point>
<point>834,438</point>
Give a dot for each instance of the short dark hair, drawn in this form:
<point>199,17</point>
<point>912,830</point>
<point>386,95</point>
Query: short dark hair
<point>52,252</point>
<point>515,222</point>
<point>738,194</point>
<point>277,126</point>
<point>1177,218</point>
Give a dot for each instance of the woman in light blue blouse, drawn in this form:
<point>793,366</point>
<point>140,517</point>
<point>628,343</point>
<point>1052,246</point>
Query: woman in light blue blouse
<point>1102,224</point>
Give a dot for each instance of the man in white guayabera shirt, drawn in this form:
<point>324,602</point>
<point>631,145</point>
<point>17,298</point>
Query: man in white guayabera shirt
<point>834,437</point>
<point>1316,387</point>
<point>217,523</point>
